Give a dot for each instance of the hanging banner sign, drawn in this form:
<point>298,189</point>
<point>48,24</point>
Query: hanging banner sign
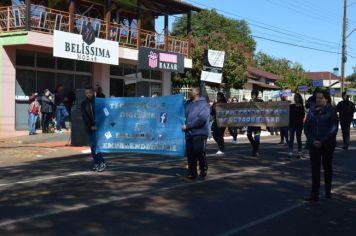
<point>213,66</point>
<point>318,83</point>
<point>270,114</point>
<point>286,93</point>
<point>150,125</point>
<point>276,94</point>
<point>332,91</point>
<point>303,88</point>
<point>85,47</point>
<point>153,59</point>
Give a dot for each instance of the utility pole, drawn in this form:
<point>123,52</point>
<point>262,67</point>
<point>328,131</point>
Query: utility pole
<point>343,57</point>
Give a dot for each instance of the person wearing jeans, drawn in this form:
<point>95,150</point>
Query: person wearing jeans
<point>33,112</point>
<point>61,110</point>
<point>296,118</point>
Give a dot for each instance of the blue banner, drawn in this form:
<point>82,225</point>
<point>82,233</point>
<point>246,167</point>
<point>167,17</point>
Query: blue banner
<point>332,91</point>
<point>150,125</point>
<point>276,94</point>
<point>303,88</point>
<point>351,91</point>
<point>286,93</point>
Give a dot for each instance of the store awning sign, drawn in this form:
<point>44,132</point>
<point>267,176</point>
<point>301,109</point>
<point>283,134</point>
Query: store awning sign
<point>153,59</point>
<point>318,83</point>
<point>303,88</point>
<point>351,91</point>
<point>85,47</point>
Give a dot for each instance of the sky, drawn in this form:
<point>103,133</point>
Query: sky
<point>313,24</point>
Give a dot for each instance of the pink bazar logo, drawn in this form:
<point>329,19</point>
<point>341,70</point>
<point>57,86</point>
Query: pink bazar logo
<point>166,57</point>
<point>153,60</point>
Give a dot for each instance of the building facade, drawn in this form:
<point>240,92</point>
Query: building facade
<point>28,63</point>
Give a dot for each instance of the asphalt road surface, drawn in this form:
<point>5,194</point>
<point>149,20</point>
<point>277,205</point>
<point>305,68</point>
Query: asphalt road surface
<point>148,195</point>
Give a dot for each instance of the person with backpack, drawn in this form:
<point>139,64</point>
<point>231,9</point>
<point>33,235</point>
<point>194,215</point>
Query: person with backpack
<point>346,110</point>
<point>33,113</point>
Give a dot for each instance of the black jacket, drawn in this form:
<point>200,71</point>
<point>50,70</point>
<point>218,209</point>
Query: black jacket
<point>46,105</point>
<point>88,113</point>
<point>346,110</point>
<point>296,116</point>
<point>321,125</point>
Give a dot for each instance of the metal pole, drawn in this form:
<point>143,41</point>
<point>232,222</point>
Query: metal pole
<point>343,57</point>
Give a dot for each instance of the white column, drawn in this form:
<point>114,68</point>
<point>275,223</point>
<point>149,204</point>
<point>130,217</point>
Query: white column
<point>167,83</point>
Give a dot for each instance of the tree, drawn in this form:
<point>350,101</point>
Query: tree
<point>211,30</point>
<point>292,74</point>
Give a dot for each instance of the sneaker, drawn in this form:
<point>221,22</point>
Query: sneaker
<point>290,154</point>
<point>234,142</point>
<point>95,167</point>
<point>59,131</point>
<point>102,167</point>
<point>300,155</point>
<point>255,154</point>
<point>281,143</point>
<point>202,174</point>
<point>190,176</point>
<point>219,153</point>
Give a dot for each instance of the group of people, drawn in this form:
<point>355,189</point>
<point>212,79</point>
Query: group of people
<point>51,110</point>
<point>320,127</point>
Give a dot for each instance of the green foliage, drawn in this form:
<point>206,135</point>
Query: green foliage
<point>211,30</point>
<point>292,74</point>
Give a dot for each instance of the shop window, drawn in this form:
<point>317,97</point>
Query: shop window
<point>25,83</point>
<point>116,70</point>
<point>45,61</point>
<point>65,64</point>
<point>145,74</point>
<point>116,87</point>
<point>67,80</point>
<point>83,66</point>
<point>143,89</point>
<point>156,88</point>
<point>156,75</point>
<point>25,58</point>
<point>45,80</point>
<point>130,89</point>
<point>130,70</point>
<point>82,81</point>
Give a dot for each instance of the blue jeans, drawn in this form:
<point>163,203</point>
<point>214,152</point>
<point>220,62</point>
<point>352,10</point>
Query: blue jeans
<point>61,115</point>
<point>97,157</point>
<point>32,118</point>
<point>298,133</point>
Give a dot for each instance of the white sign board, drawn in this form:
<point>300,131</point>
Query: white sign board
<point>211,77</point>
<point>216,58</point>
<point>72,46</point>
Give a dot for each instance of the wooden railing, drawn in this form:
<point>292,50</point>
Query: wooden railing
<point>46,20</point>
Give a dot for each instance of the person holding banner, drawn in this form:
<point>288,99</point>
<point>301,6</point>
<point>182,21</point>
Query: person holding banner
<point>233,130</point>
<point>88,114</point>
<point>218,132</point>
<point>296,119</point>
<point>197,111</point>
<point>346,110</point>
<point>321,128</point>
<point>255,139</point>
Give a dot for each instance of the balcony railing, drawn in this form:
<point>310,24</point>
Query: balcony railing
<point>46,20</point>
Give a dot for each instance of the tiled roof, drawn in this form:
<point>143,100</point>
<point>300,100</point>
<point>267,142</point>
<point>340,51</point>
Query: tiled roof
<point>322,76</point>
<point>255,72</point>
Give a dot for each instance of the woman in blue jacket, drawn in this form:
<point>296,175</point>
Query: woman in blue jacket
<point>321,128</point>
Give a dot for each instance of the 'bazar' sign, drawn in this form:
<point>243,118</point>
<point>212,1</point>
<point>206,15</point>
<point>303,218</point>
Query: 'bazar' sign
<point>153,59</point>
<point>85,47</point>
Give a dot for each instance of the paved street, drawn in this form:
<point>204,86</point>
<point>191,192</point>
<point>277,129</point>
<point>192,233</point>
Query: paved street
<point>148,195</point>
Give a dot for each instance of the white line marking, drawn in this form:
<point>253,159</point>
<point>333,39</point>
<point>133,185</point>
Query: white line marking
<point>274,215</point>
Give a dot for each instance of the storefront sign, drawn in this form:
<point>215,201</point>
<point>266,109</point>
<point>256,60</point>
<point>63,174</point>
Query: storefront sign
<point>286,93</point>
<point>144,125</point>
<point>153,59</point>
<point>270,114</point>
<point>85,47</point>
<point>213,66</point>
<point>276,94</point>
<point>332,91</point>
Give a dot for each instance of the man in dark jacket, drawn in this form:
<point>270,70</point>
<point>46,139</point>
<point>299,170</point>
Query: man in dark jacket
<point>196,128</point>
<point>346,110</point>
<point>321,128</point>
<point>46,110</point>
<point>88,113</point>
